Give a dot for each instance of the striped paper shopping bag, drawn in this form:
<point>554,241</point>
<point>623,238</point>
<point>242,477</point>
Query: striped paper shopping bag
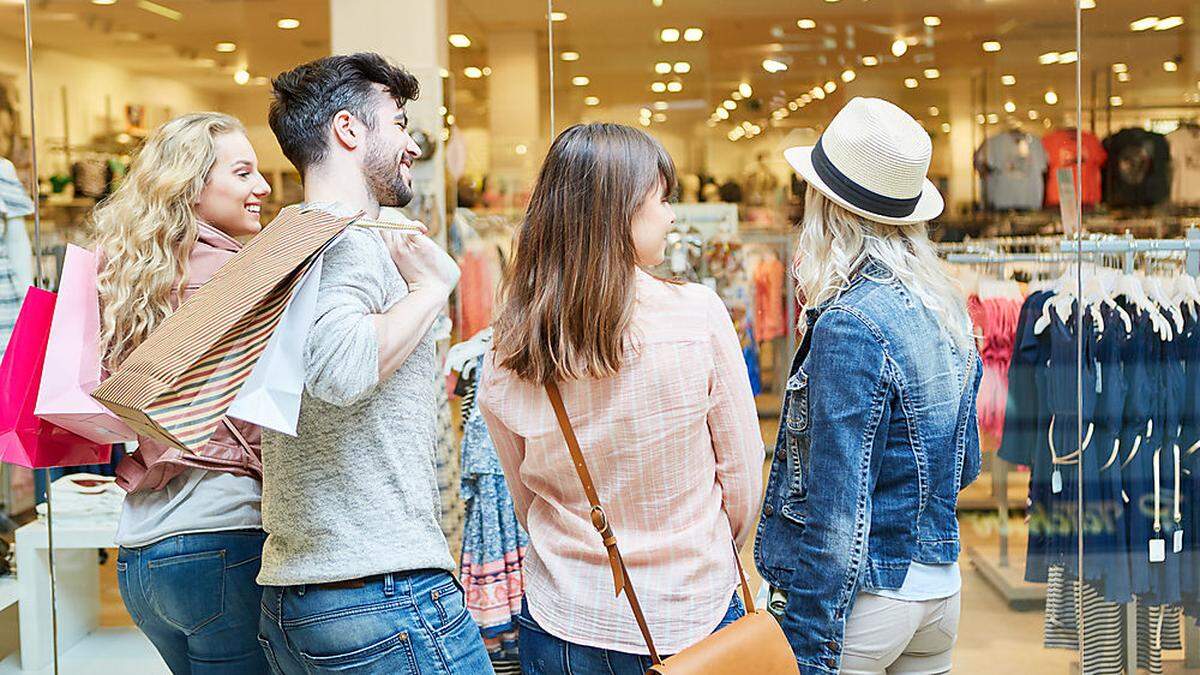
<point>178,384</point>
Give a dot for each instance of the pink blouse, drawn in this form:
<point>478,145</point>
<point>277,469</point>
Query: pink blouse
<point>666,439</point>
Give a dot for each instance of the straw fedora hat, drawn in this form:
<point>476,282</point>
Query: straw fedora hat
<point>872,160</point>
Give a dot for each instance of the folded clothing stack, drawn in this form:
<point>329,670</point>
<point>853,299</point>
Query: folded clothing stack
<point>84,498</point>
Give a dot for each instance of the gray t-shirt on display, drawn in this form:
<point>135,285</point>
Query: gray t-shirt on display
<point>193,502</point>
<point>355,493</point>
<point>1013,165</point>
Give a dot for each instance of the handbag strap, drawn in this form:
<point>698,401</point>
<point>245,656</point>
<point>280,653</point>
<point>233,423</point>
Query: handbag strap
<point>620,574</point>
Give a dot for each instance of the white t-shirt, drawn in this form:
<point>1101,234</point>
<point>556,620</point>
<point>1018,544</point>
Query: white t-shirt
<point>196,500</point>
<point>1185,165</point>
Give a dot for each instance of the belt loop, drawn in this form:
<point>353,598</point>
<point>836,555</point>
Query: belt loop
<point>300,590</point>
<point>389,584</point>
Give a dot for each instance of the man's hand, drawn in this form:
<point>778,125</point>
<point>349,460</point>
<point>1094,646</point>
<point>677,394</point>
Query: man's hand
<point>422,263</point>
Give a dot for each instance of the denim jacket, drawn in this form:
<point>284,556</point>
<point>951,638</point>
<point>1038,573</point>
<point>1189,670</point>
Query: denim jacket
<point>878,436</point>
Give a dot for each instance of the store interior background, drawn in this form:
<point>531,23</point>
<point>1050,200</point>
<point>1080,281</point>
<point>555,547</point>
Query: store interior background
<point>726,86</point>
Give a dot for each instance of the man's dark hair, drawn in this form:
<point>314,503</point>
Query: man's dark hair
<point>307,97</point>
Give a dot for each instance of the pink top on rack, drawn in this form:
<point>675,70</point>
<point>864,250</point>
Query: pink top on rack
<point>996,323</point>
<point>666,439</point>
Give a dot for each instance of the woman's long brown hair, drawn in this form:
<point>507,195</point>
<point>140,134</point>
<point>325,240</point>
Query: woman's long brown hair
<point>568,295</point>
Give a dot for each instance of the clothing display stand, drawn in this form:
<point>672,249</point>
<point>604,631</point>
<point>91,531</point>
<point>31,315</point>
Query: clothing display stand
<point>1128,247</point>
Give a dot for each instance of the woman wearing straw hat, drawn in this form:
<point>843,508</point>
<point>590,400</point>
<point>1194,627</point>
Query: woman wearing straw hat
<point>878,434</point>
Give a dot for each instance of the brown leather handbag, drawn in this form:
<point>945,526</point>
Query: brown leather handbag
<point>753,644</point>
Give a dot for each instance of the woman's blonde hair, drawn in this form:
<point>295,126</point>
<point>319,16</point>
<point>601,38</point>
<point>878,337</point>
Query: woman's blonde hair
<point>146,229</point>
<point>835,243</point>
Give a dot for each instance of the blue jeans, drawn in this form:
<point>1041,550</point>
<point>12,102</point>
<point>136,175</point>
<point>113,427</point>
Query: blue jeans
<point>399,624</point>
<point>194,596</point>
<point>544,654</point>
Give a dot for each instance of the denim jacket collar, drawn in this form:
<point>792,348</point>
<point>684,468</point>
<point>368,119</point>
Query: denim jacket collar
<point>868,269</point>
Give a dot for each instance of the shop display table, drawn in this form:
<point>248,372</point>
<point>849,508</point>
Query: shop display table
<point>83,646</point>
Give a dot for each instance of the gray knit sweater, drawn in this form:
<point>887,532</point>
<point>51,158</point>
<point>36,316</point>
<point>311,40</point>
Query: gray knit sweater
<point>355,494</point>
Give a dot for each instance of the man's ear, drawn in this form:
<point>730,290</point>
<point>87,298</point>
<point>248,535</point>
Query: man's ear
<point>347,130</point>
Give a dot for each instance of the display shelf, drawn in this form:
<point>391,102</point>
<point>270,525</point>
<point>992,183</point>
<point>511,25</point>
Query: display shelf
<point>8,592</point>
<point>105,650</point>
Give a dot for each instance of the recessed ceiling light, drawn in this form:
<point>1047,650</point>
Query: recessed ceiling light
<point>669,35</point>
<point>487,71</point>
<point>899,47</point>
<point>1048,58</point>
<point>1170,66</point>
<point>521,149</point>
<point>870,61</point>
<point>934,112</point>
<point>793,106</point>
<point>981,119</point>
<point>991,46</point>
<point>645,121</point>
<point>993,118</point>
<point>745,89</point>
<point>569,56</point>
<point>830,87</point>
<point>773,66</point>
<point>1120,68</point>
<point>226,47</point>
<point>1033,114</point>
<point>660,117</point>
<point>591,100</point>
<point>661,105</point>
<point>473,72</point>
<point>450,120</point>
<point>932,73</point>
<point>558,16</point>
<point>580,81</point>
<point>674,87</point>
<point>1124,77</point>
<point>693,35</point>
<point>242,76</point>
<point>933,21</point>
<point>287,24</point>
<point>945,127</point>
<point>728,104</point>
<point>1010,107</point>
<point>1087,4</point>
<point>1116,101</point>
<point>806,98</point>
<point>1169,23</point>
<point>1008,80</point>
<point>1051,98</point>
<point>818,93</point>
<point>459,40</point>
<point>683,67</point>
<point>911,82</point>
<point>658,87</point>
<point>103,2</point>
<point>1068,57</point>
<point>662,67</point>
<point>848,75</point>
<point>806,24</point>
<point>722,113</point>
<point>1145,23</point>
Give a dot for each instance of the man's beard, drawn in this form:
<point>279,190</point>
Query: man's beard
<point>384,178</point>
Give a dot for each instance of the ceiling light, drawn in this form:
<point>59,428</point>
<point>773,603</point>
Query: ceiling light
<point>569,56</point>
<point>806,24</point>
<point>991,46</point>
<point>899,48</point>
<point>521,149</point>
<point>737,96</point>
<point>932,73</point>
<point>933,21</point>
<point>934,112</point>
<point>806,98</point>
<point>1068,57</point>
<point>911,82</point>
<point>661,105</point>
<point>558,16</point>
<point>1116,101</point>
<point>644,112</point>
<point>1169,23</point>
<point>287,24</point>
<point>870,61</point>
<point>693,35</point>
<point>773,66</point>
<point>1033,114</point>
<point>473,72</point>
<point>658,87</point>
<point>728,105</point>
<point>662,67</point>
<point>660,117</point>
<point>487,71</point>
<point>818,93</point>
<point>1142,24</point>
<point>580,81</point>
<point>442,110</point>
<point>450,120</point>
<point>242,76</point>
<point>722,113</point>
<point>592,100</point>
<point>683,67</point>
<point>848,75</point>
<point>1123,77</point>
<point>669,35</point>
<point>161,10</point>
<point>745,89</point>
<point>1087,4</point>
<point>459,40</point>
<point>830,87</point>
<point>981,119</point>
<point>1010,107</point>
<point>226,47</point>
<point>1170,66</point>
<point>945,127</point>
<point>993,118</point>
<point>1120,68</point>
<point>1008,80</point>
<point>104,2</point>
<point>674,87</point>
<point>444,73</point>
<point>1048,58</point>
<point>645,121</point>
<point>1051,98</point>
<point>793,106</point>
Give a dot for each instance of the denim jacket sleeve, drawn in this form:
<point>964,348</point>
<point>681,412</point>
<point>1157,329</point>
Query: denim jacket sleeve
<point>849,380</point>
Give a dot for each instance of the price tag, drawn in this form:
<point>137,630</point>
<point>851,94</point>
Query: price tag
<point>1178,544</point>
<point>1158,550</point>
<point>1056,482</point>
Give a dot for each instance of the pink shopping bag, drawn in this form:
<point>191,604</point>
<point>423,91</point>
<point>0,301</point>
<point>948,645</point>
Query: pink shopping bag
<point>72,370</point>
<point>25,439</point>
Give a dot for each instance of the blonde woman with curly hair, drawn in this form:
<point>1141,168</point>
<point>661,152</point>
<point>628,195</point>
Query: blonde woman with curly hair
<point>190,532</point>
<point>878,432</point>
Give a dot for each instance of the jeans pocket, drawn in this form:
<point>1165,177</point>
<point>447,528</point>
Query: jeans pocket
<point>187,591</point>
<point>270,654</point>
<point>392,654</point>
<point>450,602</point>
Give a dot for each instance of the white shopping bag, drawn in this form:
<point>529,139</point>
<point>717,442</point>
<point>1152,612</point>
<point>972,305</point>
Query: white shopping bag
<point>270,397</point>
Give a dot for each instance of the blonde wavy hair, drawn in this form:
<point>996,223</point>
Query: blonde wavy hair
<point>834,243</point>
<point>146,229</point>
